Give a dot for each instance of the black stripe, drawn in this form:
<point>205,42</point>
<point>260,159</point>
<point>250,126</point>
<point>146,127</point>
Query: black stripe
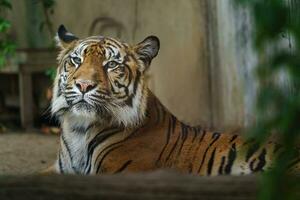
<point>173,148</point>
<point>215,138</point>
<point>71,96</point>
<point>108,147</point>
<point>70,92</point>
<point>202,136</point>
<point>295,162</point>
<point>113,43</point>
<point>111,50</point>
<point>124,166</point>
<point>197,149</point>
<point>129,101</point>
<point>114,144</point>
<point>195,134</point>
<point>136,81</point>
<point>174,120</point>
<point>118,55</point>
<point>184,133</point>
<point>59,92</point>
<point>102,91</point>
<point>167,142</point>
<point>163,112</point>
<point>82,129</point>
<point>261,162</point>
<point>129,74</point>
<point>222,165</point>
<point>60,164</point>
<point>216,135</point>
<point>252,164</point>
<point>67,147</point>
<point>158,112</point>
<point>203,158</point>
<point>112,87</point>
<point>111,145</point>
<point>233,138</point>
<point>252,149</point>
<point>231,159</point>
<point>191,146</point>
<point>104,156</point>
<point>124,72</point>
<point>98,139</point>
<point>211,162</point>
<point>69,153</point>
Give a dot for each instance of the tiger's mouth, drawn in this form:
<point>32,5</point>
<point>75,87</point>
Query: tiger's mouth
<point>83,105</point>
<point>91,109</point>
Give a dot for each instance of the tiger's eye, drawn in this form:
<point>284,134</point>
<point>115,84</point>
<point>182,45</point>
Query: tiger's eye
<point>111,64</point>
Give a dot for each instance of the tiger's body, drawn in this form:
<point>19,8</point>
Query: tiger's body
<point>160,142</point>
<point>111,122</point>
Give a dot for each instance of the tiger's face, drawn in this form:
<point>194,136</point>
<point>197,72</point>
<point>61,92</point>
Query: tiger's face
<point>101,78</point>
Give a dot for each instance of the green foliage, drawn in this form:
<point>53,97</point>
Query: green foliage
<point>46,23</point>
<point>51,72</point>
<point>5,4</point>
<point>48,10</point>
<point>7,47</point>
<point>4,25</point>
<point>48,4</point>
<point>278,107</point>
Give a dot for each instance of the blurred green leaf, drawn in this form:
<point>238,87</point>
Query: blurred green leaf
<point>278,106</point>
<point>4,25</point>
<point>6,4</point>
<point>48,3</point>
<point>51,73</point>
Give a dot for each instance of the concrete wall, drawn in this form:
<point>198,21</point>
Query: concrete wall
<point>232,65</point>
<point>202,73</point>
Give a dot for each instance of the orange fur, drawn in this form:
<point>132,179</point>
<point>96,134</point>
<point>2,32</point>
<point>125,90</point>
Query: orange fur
<point>118,125</point>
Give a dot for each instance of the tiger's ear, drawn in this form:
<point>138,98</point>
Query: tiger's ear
<point>147,49</point>
<point>64,38</point>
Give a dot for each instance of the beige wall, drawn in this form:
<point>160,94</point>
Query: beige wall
<point>196,74</point>
<point>179,73</point>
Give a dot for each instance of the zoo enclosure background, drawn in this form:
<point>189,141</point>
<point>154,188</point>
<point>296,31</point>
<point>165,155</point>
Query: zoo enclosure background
<point>204,71</point>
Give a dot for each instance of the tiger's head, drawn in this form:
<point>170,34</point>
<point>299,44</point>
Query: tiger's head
<point>102,79</point>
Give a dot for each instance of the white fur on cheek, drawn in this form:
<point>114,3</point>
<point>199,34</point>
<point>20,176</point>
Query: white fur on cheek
<point>58,102</point>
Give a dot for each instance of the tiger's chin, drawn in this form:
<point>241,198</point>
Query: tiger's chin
<point>89,113</point>
<point>84,110</point>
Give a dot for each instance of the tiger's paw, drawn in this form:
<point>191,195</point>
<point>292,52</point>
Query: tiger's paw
<point>48,171</point>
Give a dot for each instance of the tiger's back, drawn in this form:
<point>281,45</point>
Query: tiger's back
<point>164,142</point>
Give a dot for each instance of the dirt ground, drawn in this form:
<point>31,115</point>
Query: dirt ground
<point>26,153</point>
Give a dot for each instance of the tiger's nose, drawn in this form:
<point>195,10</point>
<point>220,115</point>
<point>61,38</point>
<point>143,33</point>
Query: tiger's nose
<point>84,86</point>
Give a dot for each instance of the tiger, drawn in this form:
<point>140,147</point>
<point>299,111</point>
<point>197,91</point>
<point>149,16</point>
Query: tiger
<point>112,123</point>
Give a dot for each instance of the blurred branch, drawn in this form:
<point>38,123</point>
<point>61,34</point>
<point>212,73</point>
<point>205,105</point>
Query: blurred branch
<point>5,4</point>
<point>48,9</point>
<point>278,104</point>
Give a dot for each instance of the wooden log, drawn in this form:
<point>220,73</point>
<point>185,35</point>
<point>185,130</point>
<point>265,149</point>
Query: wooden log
<point>158,186</point>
